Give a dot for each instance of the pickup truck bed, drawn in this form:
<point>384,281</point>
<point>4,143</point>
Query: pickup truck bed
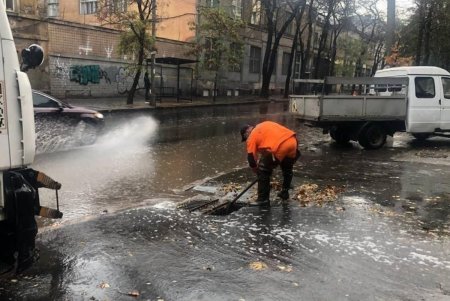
<point>341,107</point>
<point>366,118</point>
<point>348,108</point>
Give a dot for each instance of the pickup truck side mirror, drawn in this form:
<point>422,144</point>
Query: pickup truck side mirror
<point>32,57</point>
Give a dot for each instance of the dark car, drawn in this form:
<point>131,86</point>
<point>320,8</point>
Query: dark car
<point>61,125</point>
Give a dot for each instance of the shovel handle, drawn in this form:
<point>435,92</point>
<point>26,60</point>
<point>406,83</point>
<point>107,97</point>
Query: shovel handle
<point>57,200</point>
<point>241,193</point>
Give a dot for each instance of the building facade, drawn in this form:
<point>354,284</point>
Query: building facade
<point>82,58</point>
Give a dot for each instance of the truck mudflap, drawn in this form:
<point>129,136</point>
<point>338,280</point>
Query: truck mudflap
<point>19,229</point>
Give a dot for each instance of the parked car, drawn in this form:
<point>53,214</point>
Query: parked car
<point>59,124</point>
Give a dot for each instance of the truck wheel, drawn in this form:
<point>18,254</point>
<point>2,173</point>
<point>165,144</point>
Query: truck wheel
<point>340,136</point>
<point>421,136</point>
<point>373,137</point>
<point>86,133</point>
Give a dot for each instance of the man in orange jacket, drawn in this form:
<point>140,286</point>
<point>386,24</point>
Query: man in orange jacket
<point>270,144</point>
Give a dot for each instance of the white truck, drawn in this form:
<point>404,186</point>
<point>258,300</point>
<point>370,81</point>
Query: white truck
<point>411,99</point>
<point>19,197</point>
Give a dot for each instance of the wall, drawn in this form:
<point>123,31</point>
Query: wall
<point>75,77</point>
<point>82,61</point>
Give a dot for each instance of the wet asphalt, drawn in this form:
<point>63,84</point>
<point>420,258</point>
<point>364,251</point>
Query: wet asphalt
<point>386,236</point>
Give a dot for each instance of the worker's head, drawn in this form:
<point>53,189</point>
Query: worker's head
<point>245,131</point>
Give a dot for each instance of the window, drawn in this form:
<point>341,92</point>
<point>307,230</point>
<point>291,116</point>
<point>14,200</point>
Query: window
<point>236,6</point>
<point>9,4</point>
<point>297,64</point>
<point>212,3</point>
<point>255,17</point>
<point>285,63</point>
<point>446,87</point>
<point>255,59</point>
<point>233,63</point>
<point>316,40</point>
<point>424,87</point>
<point>210,59</point>
<point>115,6</point>
<point>88,7</point>
<point>52,8</point>
<point>40,101</point>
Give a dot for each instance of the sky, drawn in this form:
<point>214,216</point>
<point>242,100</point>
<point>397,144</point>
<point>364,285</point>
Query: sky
<point>401,7</point>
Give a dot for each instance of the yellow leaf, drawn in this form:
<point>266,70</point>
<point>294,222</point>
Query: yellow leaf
<point>258,266</point>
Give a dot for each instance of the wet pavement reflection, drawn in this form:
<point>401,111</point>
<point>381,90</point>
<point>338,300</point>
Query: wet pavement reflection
<point>385,238</point>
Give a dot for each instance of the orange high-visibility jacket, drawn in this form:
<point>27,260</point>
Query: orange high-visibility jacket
<point>268,136</point>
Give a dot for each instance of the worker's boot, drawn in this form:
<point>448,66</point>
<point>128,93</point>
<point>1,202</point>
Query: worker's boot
<point>287,180</point>
<point>283,194</point>
<point>263,188</point>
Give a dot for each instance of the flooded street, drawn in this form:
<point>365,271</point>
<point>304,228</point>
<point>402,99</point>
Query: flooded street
<point>385,237</point>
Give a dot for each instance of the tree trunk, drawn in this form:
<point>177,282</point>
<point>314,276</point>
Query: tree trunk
<point>420,35</point>
<point>291,59</point>
<point>427,35</point>
<point>323,38</point>
<point>137,76</point>
<point>307,52</point>
<point>271,49</point>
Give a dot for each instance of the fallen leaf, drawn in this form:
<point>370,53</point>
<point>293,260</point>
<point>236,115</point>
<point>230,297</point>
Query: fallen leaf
<point>134,293</point>
<point>284,268</point>
<point>258,266</point>
<point>103,285</point>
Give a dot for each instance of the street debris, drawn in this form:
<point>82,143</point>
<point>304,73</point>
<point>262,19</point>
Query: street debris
<point>230,187</point>
<point>430,154</point>
<point>258,265</point>
<point>285,268</point>
<point>134,293</point>
<point>103,285</point>
<point>310,194</point>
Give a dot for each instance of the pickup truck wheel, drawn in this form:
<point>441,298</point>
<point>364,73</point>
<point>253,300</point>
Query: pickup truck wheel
<point>421,136</point>
<point>339,136</point>
<point>373,137</point>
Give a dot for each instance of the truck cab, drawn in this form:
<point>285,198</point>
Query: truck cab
<point>428,98</point>
<point>19,197</point>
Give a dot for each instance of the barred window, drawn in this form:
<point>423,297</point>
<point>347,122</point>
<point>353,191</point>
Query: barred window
<point>233,64</point>
<point>9,4</point>
<point>88,7</point>
<point>237,8</point>
<point>255,59</point>
<point>297,64</point>
<point>212,3</point>
<point>115,6</point>
<point>255,18</point>
<point>52,8</point>
<point>285,63</point>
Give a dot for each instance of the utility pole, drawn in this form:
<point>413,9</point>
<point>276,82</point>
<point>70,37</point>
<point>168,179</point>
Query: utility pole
<point>153,56</point>
<point>390,30</point>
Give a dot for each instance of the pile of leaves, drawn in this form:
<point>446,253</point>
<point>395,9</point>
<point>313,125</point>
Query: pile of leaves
<point>230,187</point>
<point>309,194</point>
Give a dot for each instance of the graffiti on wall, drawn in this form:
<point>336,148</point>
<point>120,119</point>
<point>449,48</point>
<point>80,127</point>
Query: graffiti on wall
<point>68,73</point>
<point>84,74</point>
<point>62,70</point>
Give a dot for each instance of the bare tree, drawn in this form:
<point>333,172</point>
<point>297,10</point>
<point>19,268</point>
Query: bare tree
<point>278,16</point>
<point>295,41</point>
<point>134,17</point>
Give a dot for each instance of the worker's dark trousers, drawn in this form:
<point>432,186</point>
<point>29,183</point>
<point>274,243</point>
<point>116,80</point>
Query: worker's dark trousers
<point>266,165</point>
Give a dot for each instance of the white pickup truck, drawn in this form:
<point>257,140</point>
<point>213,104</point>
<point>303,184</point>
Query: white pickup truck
<point>411,99</point>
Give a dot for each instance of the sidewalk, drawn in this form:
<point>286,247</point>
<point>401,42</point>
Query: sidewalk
<point>109,104</point>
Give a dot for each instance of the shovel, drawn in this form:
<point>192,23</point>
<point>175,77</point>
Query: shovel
<point>240,194</point>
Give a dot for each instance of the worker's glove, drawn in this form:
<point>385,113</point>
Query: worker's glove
<point>57,186</point>
<point>47,182</point>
